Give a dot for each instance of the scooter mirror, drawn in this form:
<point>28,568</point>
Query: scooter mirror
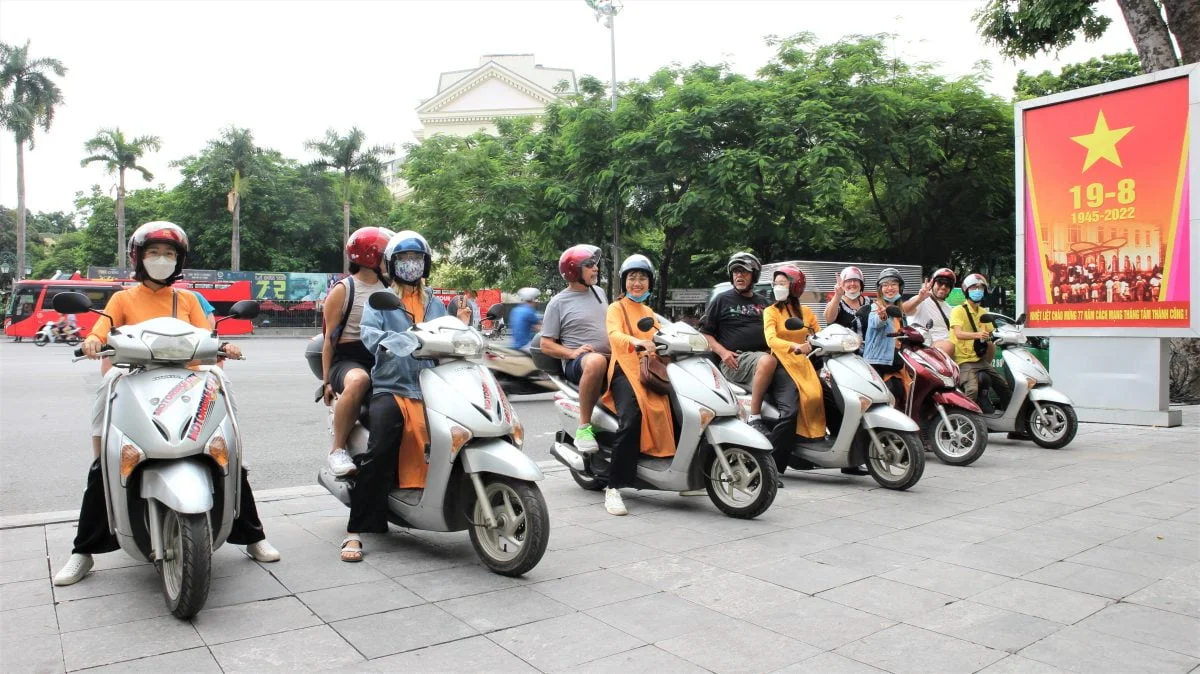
<point>384,301</point>
<point>793,323</point>
<point>245,310</point>
<point>1021,319</point>
<point>645,323</point>
<point>929,325</point>
<point>71,303</point>
<point>894,311</point>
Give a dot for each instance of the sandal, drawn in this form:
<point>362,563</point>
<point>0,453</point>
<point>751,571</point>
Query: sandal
<point>352,554</point>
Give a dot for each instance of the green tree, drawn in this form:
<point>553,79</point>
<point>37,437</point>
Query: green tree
<point>119,155</point>
<point>97,212</point>
<point>1024,28</point>
<point>28,98</point>
<point>347,156</point>
<point>1094,71</point>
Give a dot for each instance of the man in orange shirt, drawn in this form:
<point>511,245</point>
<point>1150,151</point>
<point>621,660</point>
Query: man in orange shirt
<point>157,252</point>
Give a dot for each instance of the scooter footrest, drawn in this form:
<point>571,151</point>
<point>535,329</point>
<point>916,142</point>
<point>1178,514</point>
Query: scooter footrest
<point>407,496</point>
<point>655,463</point>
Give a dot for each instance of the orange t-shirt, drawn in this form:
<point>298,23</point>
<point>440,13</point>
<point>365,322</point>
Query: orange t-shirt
<point>140,303</point>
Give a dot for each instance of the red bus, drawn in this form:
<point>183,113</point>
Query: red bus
<point>32,303</point>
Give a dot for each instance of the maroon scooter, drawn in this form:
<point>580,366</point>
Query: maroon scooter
<point>952,425</point>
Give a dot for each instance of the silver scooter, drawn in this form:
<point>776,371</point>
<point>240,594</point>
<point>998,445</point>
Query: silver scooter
<point>1037,409</point>
<point>479,479</point>
<point>171,449</point>
<point>715,450</point>
<point>872,431</point>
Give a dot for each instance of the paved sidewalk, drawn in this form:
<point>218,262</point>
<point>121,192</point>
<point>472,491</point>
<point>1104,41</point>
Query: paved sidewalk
<point>1085,559</point>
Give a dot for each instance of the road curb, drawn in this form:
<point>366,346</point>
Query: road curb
<point>264,496</point>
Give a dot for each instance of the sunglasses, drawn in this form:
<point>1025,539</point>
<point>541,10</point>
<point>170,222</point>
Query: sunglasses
<point>590,264</point>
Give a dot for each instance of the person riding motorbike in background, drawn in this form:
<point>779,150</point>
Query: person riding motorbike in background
<point>880,350</point>
<point>398,435</point>
<point>523,319</point>
<point>847,299</point>
<point>972,351</point>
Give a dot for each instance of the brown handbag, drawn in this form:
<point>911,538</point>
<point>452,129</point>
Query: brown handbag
<point>651,370</point>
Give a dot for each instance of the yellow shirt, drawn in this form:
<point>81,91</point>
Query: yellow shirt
<point>964,349</point>
<point>140,303</point>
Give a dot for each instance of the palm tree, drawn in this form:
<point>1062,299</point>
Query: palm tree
<point>119,155</point>
<point>27,100</point>
<point>346,155</point>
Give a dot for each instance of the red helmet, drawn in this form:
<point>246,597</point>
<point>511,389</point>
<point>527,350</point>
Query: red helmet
<point>159,231</point>
<point>945,275</point>
<point>573,260</point>
<point>796,287</point>
<point>365,246</point>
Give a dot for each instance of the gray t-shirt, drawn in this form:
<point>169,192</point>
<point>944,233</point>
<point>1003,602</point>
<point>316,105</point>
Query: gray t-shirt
<point>575,318</point>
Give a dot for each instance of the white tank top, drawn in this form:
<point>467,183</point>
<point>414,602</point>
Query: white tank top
<point>361,292</point>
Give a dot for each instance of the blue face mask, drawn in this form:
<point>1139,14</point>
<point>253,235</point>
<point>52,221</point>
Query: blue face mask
<point>891,298</point>
<point>639,298</point>
<point>975,295</point>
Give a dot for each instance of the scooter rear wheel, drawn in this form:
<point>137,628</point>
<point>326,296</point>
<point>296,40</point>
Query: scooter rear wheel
<point>185,569</point>
<point>750,490</point>
<point>73,340</point>
<point>522,530</point>
<point>40,339</point>
<point>960,444</point>
<point>899,460</point>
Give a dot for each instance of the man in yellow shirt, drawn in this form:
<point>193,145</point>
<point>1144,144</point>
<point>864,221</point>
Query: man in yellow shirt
<point>971,351</point>
<point>157,252</point>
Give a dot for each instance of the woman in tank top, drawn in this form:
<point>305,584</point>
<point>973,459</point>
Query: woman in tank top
<point>847,300</point>
<point>345,362</point>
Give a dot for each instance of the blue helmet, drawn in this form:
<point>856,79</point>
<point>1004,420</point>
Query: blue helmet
<point>404,242</point>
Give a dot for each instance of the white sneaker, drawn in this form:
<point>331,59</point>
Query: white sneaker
<point>263,551</point>
<point>340,463</point>
<point>613,503</point>
<point>74,570</point>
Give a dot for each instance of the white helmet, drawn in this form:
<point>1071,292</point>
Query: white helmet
<point>528,294</point>
<point>974,280</point>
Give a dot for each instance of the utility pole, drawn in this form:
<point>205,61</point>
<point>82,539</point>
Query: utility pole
<point>608,9</point>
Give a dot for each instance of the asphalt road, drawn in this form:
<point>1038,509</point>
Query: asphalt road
<point>45,402</point>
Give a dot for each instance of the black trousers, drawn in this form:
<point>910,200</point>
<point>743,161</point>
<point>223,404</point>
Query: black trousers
<point>622,468</point>
<point>787,401</point>
<point>93,536</point>
<point>377,470</point>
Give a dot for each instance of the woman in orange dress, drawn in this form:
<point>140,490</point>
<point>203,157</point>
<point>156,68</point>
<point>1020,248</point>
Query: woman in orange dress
<point>645,423</point>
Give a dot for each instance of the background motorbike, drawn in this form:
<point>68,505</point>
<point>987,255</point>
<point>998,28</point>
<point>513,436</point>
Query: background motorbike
<point>48,334</point>
<point>516,371</point>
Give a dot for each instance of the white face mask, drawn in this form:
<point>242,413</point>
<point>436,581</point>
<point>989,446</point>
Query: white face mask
<point>853,294</point>
<point>781,293</point>
<point>159,268</point>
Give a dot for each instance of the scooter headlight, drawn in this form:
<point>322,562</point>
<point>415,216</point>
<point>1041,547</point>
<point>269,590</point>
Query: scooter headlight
<point>170,347</point>
<point>467,343</point>
<point>698,343</point>
<point>850,343</point>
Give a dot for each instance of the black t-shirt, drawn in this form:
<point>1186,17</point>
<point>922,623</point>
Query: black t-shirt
<point>736,321</point>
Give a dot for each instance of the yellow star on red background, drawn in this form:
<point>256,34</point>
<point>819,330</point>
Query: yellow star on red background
<point>1101,143</point>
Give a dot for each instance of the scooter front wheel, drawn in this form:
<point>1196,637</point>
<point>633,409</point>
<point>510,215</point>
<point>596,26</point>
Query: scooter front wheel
<point>73,340</point>
<point>897,460</point>
<point>40,339</point>
<point>961,442</point>
<point>1058,429</point>
<point>748,489</point>
<point>518,541</point>
<point>186,565</point>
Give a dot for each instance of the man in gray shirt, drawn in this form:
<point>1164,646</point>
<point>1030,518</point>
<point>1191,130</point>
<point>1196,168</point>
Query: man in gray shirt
<point>573,331</point>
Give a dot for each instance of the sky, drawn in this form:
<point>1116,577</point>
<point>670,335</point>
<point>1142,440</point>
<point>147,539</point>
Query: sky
<point>290,69</point>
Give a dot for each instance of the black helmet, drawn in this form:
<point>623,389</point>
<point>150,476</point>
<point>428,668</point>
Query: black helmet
<point>638,263</point>
<point>890,274</point>
<point>746,261</point>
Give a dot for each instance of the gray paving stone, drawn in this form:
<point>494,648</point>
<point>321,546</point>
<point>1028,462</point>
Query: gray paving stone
<point>457,582</point>
<point>905,649</point>
<point>986,625</point>
<point>644,659</point>
<point>25,593</point>
<point>243,621</point>
<point>401,630</point>
<point>1179,593</point>
<point>864,558</point>
<point>913,542</point>
<point>946,578</point>
<point>502,609</point>
<point>559,643</point>
<point>1015,664</point>
<point>18,623</point>
<point>1089,579</point>
<point>1155,542</point>
<point>1056,546</point>
<point>589,590</point>
<point>474,654</point>
<point>829,663</point>
<point>42,653</point>
<point>738,649</point>
<point>1043,601</point>
<point>1002,561</point>
<point>902,517</point>
<point>310,649</point>
<point>351,601</point>
<point>574,536</point>
<point>252,583</point>
<point>311,569</point>
<point>678,539</point>
<point>849,531</point>
<point>127,641</point>
<point>403,555</point>
<point>192,660</point>
<point>670,572</point>
<point>658,616</point>
<point>1110,519</point>
<point>1077,649</point>
<point>803,575</point>
<point>739,596</point>
<point>23,543</point>
<point>83,614</point>
<point>1165,630</point>
<point>821,623</point>
<point>17,570</point>
<point>113,581</point>
<point>787,544</point>
<point>887,598</point>
<point>960,530</point>
<point>1129,561</point>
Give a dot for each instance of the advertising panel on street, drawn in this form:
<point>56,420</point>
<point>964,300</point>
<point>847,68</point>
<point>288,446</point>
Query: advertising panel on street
<point>1104,188</point>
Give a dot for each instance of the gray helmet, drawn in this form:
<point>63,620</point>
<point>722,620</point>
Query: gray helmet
<point>890,274</point>
<point>639,263</point>
<point>745,260</point>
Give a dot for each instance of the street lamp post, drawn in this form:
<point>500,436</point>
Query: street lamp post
<point>608,9</point>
